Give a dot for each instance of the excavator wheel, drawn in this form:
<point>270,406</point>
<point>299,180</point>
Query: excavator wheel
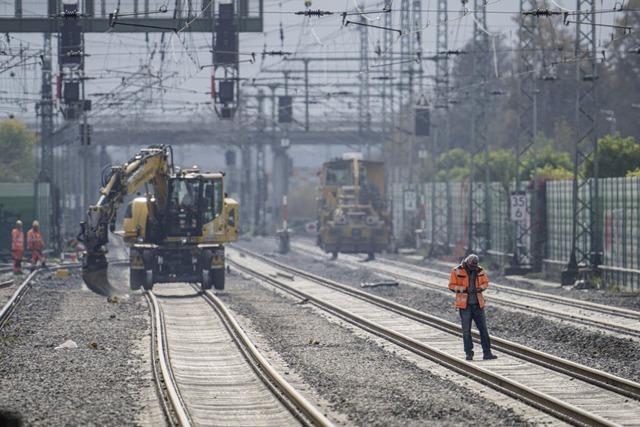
<point>136,279</point>
<point>216,276</point>
<point>206,280</point>
<point>147,283</point>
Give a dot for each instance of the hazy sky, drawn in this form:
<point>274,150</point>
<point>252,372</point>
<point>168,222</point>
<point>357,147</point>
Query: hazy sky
<point>184,89</point>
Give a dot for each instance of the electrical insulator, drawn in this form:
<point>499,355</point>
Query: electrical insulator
<point>423,121</point>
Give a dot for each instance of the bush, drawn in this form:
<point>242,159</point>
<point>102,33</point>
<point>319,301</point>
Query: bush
<point>17,144</point>
<point>617,156</point>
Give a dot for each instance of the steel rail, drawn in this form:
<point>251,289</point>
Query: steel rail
<point>554,406</point>
<point>599,323</point>
<point>602,308</point>
<point>10,305</point>
<point>177,404</point>
<point>161,389</point>
<point>587,305</point>
<point>292,399</point>
<point>288,395</point>
<point>599,378</point>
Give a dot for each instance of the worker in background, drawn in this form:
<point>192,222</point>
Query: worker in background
<point>17,247</point>
<point>468,280</point>
<point>35,244</point>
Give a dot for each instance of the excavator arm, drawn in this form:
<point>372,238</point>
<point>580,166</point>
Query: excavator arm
<point>151,165</point>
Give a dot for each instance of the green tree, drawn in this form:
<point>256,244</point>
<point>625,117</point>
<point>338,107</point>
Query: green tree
<point>453,165</point>
<point>544,160</point>
<point>551,173</point>
<point>17,144</point>
<point>616,156</point>
<point>501,166</point>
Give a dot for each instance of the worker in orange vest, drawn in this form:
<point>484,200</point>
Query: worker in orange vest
<point>468,280</point>
<point>35,244</point>
<point>17,247</point>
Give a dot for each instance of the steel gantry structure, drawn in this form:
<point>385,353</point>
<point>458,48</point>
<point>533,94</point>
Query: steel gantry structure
<point>440,203</point>
<point>527,60</point>
<point>364,113</point>
<point>478,215</point>
<point>387,77</point>
<point>71,20</point>
<point>586,244</point>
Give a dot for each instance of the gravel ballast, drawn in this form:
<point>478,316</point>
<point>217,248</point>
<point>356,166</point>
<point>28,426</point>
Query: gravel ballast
<point>106,380</point>
<point>362,382</point>
<point>594,349</point>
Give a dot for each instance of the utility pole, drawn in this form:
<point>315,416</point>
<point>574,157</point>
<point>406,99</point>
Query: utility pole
<point>479,207</point>
<point>417,41</point>
<point>45,175</point>
<point>387,77</point>
<point>261,181</point>
<point>586,239</point>
<point>306,94</point>
<point>364,119</point>
<point>406,86</point>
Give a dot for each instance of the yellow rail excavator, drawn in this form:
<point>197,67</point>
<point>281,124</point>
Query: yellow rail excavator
<point>175,230</point>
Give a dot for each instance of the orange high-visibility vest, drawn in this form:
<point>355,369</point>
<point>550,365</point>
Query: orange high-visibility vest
<point>34,240</point>
<point>459,283</point>
<point>17,240</point>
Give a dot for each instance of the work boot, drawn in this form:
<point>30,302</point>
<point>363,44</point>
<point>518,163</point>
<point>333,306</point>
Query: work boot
<point>489,356</point>
<point>469,356</point>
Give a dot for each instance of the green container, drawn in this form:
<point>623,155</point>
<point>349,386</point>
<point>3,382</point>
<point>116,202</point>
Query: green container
<point>24,201</point>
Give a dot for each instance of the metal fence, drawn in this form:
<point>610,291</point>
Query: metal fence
<point>440,211</point>
<point>24,201</point>
<point>621,231</point>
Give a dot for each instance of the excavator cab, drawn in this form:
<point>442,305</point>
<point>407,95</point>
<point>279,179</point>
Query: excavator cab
<point>185,204</point>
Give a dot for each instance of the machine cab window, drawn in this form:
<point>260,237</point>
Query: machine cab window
<point>213,200</point>
<point>183,205</point>
<point>339,174</point>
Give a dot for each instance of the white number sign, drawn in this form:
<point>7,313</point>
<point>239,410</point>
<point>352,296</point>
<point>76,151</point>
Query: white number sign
<point>518,206</point>
<point>410,202</point>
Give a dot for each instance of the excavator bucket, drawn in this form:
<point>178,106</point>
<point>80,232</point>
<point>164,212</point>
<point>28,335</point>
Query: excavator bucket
<point>94,274</point>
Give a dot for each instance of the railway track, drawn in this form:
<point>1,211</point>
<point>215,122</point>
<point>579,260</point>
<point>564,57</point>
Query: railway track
<point>211,371</point>
<point>617,320</point>
<point>8,308</point>
<point>15,299</point>
<point>569,391</point>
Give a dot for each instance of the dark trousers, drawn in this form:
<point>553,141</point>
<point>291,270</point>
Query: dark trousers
<point>17,261</point>
<point>475,313</point>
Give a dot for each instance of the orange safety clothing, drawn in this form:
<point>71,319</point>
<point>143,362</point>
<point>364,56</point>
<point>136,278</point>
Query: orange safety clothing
<point>17,249</point>
<point>34,240</point>
<point>35,244</point>
<point>459,283</point>
<point>17,240</point>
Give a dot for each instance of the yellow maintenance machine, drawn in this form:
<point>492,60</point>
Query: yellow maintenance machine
<point>352,211</point>
<point>175,231</point>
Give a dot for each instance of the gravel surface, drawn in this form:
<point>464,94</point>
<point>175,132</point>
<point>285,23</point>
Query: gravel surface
<point>6,292</point>
<point>612,354</point>
<point>106,380</point>
<point>361,381</point>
